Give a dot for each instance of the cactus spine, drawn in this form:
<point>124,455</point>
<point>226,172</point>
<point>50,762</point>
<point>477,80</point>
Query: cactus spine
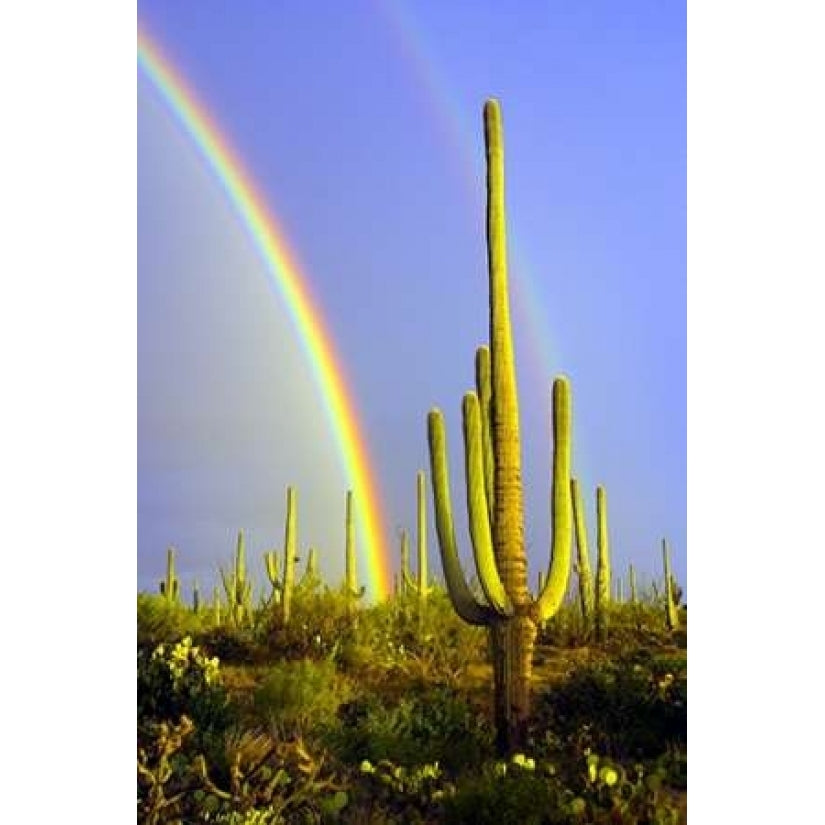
<point>170,587</point>
<point>671,611</point>
<point>237,587</point>
<point>494,492</point>
<point>290,554</point>
<point>583,570</point>
<point>602,566</point>
<point>351,589</point>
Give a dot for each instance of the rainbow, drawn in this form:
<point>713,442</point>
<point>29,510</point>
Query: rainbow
<point>287,276</point>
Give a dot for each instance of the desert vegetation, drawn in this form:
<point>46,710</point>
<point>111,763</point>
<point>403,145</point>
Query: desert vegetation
<point>469,700</point>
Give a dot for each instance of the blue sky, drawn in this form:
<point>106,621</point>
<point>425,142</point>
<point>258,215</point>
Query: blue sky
<point>361,122</point>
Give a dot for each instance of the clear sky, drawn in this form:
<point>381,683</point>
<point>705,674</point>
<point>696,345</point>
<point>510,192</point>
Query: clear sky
<point>360,122</point>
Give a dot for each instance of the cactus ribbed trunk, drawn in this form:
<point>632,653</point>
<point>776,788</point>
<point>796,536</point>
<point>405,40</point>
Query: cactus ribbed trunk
<point>602,567</point>
<point>494,491</point>
<point>290,553</point>
<point>585,574</point>
<point>519,632</point>
<point>422,539</point>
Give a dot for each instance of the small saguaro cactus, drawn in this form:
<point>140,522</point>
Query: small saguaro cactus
<point>671,610</point>
<point>196,598</point>
<point>583,570</point>
<point>602,566</point>
<point>351,590</point>
<point>420,587</point>
<point>272,563</point>
<point>170,587</point>
<point>494,489</point>
<point>216,606</point>
<point>631,577</point>
<point>312,577</point>
<point>237,587</point>
<point>290,554</point>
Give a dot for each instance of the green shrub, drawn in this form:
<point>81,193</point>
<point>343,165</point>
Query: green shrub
<point>299,697</point>
<point>634,707</point>
<point>431,725</point>
<point>159,621</point>
<point>180,680</point>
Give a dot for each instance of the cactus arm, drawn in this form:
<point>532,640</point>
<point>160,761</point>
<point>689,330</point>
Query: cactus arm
<point>477,510</point>
<point>558,576</point>
<point>465,603</point>
<point>484,391</point>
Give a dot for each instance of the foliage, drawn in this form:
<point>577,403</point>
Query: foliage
<point>269,782</point>
<point>631,707</point>
<point>432,725</point>
<point>429,647</point>
<point>298,697</point>
<point>163,620</point>
<point>318,626</point>
<point>179,680</point>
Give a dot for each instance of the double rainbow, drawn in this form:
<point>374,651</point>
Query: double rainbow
<point>286,274</point>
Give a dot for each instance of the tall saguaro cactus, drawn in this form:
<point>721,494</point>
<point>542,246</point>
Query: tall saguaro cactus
<point>351,589</point>
<point>290,553</point>
<point>602,566</point>
<point>494,490</point>
<point>170,587</point>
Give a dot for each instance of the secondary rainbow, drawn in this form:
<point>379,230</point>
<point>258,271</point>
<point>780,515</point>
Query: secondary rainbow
<point>287,275</point>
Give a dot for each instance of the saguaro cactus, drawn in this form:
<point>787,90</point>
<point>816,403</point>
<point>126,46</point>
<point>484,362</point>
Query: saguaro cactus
<point>196,598</point>
<point>237,587</point>
<point>602,566</point>
<point>170,587</point>
<point>671,611</point>
<point>631,575</point>
<point>272,563</point>
<point>290,553</point>
<point>419,586</point>
<point>216,606</point>
<point>312,577</point>
<point>494,492</point>
<point>583,570</point>
<point>351,589</point>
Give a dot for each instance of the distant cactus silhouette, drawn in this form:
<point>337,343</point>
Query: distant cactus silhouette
<point>671,602</point>
<point>602,566</point>
<point>583,570</point>
<point>238,587</point>
<point>170,587</point>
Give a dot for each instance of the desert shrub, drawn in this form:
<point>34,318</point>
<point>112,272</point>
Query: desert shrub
<point>299,697</point>
<point>319,624</point>
<point>269,782</point>
<point>428,649</point>
<point>159,620</point>
<point>628,708</point>
<point>180,680</point>
<point>236,645</point>
<point>430,725</point>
